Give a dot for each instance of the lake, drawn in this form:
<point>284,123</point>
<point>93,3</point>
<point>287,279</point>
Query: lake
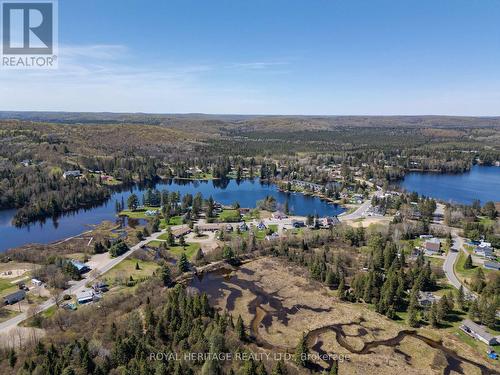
<point>246,192</point>
<point>481,182</point>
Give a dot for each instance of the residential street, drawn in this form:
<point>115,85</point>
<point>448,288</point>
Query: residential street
<point>105,267</point>
<point>452,256</point>
<point>361,210</point>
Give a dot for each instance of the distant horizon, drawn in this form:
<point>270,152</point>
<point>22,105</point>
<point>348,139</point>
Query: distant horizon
<point>244,114</point>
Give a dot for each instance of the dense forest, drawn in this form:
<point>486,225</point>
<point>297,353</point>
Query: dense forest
<point>34,156</point>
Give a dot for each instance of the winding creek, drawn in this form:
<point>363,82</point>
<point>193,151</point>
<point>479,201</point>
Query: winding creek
<point>246,192</point>
<point>266,307</point>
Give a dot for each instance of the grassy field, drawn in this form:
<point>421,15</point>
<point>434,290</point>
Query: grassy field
<point>253,214</point>
<point>487,222</point>
<point>230,216</point>
<point>174,220</point>
<point>138,214</point>
<point>155,243</point>
<point>459,267</point>
<point>177,250</point>
<point>122,271</point>
<point>190,249</point>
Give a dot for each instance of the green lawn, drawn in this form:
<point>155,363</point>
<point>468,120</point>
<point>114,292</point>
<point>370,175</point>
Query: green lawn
<point>190,249</point>
<point>155,243</point>
<point>459,267</point>
<point>487,222</point>
<point>6,287</point>
<point>230,216</point>
<point>438,262</point>
<point>253,214</point>
<point>139,213</point>
<point>174,220</point>
<point>123,270</point>
<point>177,250</point>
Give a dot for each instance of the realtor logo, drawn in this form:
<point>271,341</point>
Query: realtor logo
<point>29,34</point>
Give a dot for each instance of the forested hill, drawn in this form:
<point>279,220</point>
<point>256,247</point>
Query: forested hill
<point>255,122</point>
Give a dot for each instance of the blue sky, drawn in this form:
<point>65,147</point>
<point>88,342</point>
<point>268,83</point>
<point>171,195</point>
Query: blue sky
<point>269,57</point>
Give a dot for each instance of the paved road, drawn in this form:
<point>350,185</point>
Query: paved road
<point>361,210</point>
<point>13,322</point>
<point>452,256</point>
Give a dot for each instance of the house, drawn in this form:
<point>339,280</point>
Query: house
<point>492,265</point>
<point>36,282</point>
<point>376,211</point>
<point>14,297</point>
<point>81,267</point>
<point>432,246</point>
<point>484,251</point>
<point>279,215</point>
<point>85,296</point>
<point>261,226</point>
<point>73,174</point>
<point>244,211</point>
<point>243,227</point>
<point>26,163</point>
<point>478,332</point>
<point>329,221</point>
<point>210,227</point>
<point>426,299</point>
<point>484,244</point>
<point>181,231</point>
<point>229,228</point>
<point>151,212</point>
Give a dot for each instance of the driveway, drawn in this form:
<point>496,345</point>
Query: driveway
<point>103,266</point>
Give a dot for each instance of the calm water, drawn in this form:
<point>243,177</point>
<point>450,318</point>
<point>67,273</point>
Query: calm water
<point>481,183</point>
<point>246,192</point>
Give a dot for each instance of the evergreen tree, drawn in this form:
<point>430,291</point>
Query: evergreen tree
<point>468,262</point>
<point>170,237</point>
<point>280,369</point>
<point>412,319</point>
<point>478,281</point>
<point>183,263</point>
<point>166,276</point>
<point>342,287</point>
<point>488,316</point>
<point>461,298</point>
<point>240,329</point>
<point>302,352</point>
<point>334,370</point>
<point>182,241</point>
<point>132,202</point>
<point>12,358</point>
<point>433,316</point>
<point>473,310</point>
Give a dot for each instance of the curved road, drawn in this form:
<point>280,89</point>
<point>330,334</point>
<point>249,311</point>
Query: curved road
<point>13,322</point>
